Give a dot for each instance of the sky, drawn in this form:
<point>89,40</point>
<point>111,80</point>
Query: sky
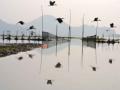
<point>12,11</point>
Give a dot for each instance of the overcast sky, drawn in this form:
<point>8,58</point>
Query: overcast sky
<point>12,11</point>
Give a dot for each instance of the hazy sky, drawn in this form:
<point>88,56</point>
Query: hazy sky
<point>28,10</point>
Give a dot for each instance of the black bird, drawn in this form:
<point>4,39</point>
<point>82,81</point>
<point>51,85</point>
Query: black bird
<point>110,60</point>
<point>31,27</point>
<point>94,68</point>
<point>96,19</point>
<point>60,20</point>
<point>30,55</point>
<point>112,25</point>
<point>52,3</point>
<point>20,58</point>
<point>58,65</point>
<point>49,82</point>
<point>21,22</point>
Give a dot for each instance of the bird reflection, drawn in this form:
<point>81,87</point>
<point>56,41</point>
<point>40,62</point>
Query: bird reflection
<point>58,65</point>
<point>95,53</point>
<point>30,56</point>
<point>20,58</point>
<point>94,68</point>
<point>16,37</point>
<point>110,60</point>
<point>3,37</point>
<point>82,54</point>
<point>69,43</point>
<point>56,38</point>
<point>49,82</point>
<point>93,45</point>
<point>41,59</point>
<point>90,44</point>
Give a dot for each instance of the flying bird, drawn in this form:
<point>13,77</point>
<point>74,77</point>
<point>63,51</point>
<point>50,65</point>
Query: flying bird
<point>52,3</point>
<point>31,27</point>
<point>21,22</point>
<point>112,25</point>
<point>60,20</point>
<point>96,19</point>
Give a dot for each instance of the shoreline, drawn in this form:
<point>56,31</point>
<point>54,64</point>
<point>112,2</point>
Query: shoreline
<point>10,49</point>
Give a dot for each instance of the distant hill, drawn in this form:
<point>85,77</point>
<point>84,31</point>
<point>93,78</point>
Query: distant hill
<point>50,26</point>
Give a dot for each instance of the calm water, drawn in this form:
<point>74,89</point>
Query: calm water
<point>75,72</point>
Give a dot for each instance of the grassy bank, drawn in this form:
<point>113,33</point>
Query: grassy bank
<point>10,49</point>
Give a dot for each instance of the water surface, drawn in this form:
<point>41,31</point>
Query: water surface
<point>75,73</point>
